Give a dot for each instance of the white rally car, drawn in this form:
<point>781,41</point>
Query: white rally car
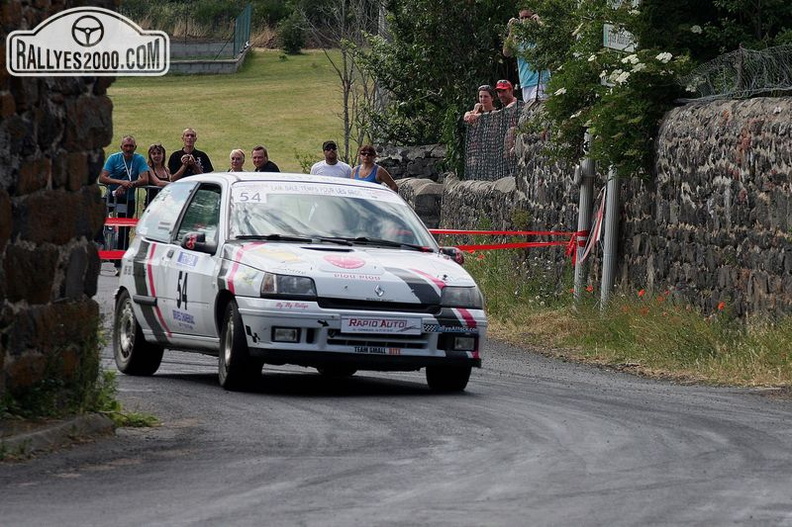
<point>334,274</point>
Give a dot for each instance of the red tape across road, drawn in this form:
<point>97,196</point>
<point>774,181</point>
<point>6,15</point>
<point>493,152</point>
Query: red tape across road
<point>575,238</point>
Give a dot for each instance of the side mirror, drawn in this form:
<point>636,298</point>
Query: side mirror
<point>455,253</point>
<point>196,241</point>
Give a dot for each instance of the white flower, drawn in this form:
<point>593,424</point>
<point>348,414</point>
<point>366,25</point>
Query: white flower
<point>576,114</point>
<point>638,67</point>
<point>603,74</point>
<point>619,77</point>
<point>560,91</point>
<point>664,57</point>
<point>634,12</point>
<point>592,58</point>
<point>632,59</point>
<point>695,29</point>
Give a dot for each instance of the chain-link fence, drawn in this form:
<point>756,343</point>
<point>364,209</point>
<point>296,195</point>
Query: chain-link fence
<point>741,74</point>
<point>489,145</point>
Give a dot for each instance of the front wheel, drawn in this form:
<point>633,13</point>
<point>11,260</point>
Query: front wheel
<point>236,369</point>
<point>133,355</point>
<point>448,378</point>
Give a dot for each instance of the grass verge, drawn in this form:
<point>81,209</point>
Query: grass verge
<point>649,334</point>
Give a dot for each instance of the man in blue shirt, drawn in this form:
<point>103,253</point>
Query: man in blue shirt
<point>532,82</point>
<point>123,172</point>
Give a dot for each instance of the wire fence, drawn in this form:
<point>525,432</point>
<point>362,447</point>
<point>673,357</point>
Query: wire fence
<point>489,145</point>
<point>742,73</point>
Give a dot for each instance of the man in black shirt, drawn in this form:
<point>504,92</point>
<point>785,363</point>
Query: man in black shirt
<point>189,160</point>
<point>261,160</point>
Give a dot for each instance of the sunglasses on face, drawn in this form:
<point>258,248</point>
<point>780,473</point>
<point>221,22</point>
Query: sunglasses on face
<point>485,87</point>
<point>367,153</point>
<point>329,148</point>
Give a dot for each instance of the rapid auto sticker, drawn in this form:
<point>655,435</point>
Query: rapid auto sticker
<point>381,325</point>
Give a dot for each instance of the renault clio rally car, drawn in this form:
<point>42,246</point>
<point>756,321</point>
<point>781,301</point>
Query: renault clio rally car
<point>321,272</point>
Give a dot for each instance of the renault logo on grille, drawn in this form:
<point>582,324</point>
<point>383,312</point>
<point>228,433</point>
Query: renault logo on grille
<point>379,291</point>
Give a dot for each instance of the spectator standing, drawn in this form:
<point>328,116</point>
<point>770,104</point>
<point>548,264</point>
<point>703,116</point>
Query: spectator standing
<point>123,172</point>
<point>368,170</point>
<point>485,104</point>
<point>261,160</point>
<point>237,157</point>
<point>331,166</point>
<point>158,173</point>
<point>189,160</point>
<point>505,92</point>
<point>532,82</point>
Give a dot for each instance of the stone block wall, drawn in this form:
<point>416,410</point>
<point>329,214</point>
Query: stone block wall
<point>52,131</point>
<point>715,225</point>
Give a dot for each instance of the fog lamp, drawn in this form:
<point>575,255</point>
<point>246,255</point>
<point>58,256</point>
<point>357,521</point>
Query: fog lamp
<point>285,335</point>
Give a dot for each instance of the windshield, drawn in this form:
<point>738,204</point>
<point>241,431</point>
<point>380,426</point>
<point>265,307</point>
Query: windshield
<point>316,210</point>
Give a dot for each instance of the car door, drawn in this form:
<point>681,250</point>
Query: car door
<point>155,233</point>
<point>190,286</point>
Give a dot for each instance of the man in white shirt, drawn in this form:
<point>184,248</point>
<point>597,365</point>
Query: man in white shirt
<point>331,166</point>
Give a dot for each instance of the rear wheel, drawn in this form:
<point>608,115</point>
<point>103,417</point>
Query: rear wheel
<point>448,378</point>
<point>236,369</point>
<point>133,355</point>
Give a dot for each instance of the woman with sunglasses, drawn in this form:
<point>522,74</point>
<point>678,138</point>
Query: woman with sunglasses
<point>485,104</point>
<point>368,170</point>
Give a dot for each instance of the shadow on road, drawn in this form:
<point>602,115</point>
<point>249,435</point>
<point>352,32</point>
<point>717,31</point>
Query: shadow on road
<point>316,385</point>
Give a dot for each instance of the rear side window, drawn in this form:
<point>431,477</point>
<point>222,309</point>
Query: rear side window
<point>159,220</point>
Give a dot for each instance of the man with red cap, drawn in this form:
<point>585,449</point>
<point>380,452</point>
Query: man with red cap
<point>505,92</point>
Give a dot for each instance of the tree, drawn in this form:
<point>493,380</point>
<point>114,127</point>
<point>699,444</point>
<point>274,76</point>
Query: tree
<point>434,56</point>
<point>343,24</point>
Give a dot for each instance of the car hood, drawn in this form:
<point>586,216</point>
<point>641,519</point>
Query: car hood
<point>357,272</point>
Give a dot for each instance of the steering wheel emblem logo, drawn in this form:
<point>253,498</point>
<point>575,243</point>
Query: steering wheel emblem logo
<point>87,31</point>
<point>379,291</point>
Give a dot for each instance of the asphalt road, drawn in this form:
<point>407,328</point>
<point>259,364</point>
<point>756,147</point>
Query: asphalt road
<point>532,441</point>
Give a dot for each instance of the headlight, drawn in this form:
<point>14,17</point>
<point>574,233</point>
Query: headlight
<point>285,286</point>
<point>469,297</point>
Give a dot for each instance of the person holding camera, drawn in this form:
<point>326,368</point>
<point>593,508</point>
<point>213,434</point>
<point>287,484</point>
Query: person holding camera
<point>189,160</point>
<point>532,82</point>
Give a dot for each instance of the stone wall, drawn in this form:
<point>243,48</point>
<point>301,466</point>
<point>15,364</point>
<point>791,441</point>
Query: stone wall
<point>714,226</point>
<point>52,131</point>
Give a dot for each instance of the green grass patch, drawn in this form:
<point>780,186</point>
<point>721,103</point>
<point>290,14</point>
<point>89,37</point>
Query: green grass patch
<point>289,104</point>
<point>652,334</point>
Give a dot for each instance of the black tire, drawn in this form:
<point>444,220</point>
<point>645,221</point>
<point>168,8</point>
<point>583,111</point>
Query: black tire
<point>448,378</point>
<point>133,355</point>
<point>236,369</point>
<point>335,371</point>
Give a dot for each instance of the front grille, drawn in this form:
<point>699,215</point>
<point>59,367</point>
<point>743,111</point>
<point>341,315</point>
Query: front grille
<point>368,305</point>
<point>337,338</point>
